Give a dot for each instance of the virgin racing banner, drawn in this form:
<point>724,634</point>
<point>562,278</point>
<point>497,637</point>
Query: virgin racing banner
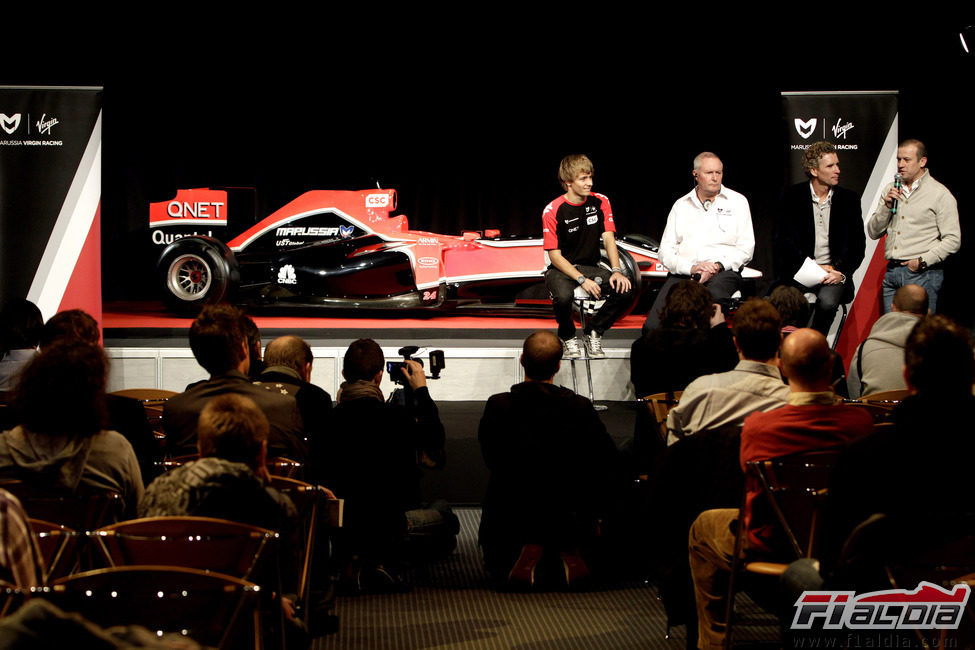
<point>50,194</point>
<point>863,127</point>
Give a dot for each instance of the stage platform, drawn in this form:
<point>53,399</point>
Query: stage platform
<point>149,348</point>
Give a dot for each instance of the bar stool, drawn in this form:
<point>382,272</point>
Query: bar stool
<point>587,306</point>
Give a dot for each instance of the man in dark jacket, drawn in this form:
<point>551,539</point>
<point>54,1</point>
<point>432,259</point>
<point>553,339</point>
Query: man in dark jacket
<point>371,460</point>
<point>552,466</point>
<point>219,344</point>
<point>821,221</point>
<point>288,362</point>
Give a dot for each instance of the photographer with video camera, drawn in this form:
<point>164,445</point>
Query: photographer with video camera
<point>373,454</point>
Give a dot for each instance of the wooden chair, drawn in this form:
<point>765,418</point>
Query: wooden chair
<point>204,543</point>
<point>59,547</point>
<point>310,501</point>
<point>887,398</point>
<point>795,488</point>
<point>277,466</point>
<point>153,400</point>
<point>659,405</point>
<point>83,510</point>
<point>937,548</point>
<point>211,608</point>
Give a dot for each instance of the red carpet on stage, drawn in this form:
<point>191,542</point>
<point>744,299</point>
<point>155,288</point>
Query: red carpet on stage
<point>126,315</point>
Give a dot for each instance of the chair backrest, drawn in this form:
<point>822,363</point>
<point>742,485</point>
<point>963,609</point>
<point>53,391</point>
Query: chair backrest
<point>213,609</point>
<point>659,405</point>
<point>795,487</point>
<point>204,543</point>
<point>276,466</point>
<point>886,398</point>
<point>81,511</point>
<point>59,547</point>
<point>308,500</point>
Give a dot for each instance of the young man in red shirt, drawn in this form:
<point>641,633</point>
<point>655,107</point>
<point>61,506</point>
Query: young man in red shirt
<point>576,225</point>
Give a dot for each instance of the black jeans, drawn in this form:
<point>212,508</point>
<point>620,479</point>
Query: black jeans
<point>562,287</point>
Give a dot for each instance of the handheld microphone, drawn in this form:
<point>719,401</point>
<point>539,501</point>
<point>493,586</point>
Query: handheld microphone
<point>898,181</point>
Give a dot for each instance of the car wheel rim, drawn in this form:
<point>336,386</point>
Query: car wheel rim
<point>189,277</point>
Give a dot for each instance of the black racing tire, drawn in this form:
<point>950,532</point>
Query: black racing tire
<point>196,271</point>
<point>631,271</point>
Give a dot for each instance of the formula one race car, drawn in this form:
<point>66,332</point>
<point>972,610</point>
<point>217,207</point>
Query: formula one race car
<point>342,249</point>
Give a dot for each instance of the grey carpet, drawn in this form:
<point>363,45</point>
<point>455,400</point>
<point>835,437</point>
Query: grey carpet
<point>452,607</point>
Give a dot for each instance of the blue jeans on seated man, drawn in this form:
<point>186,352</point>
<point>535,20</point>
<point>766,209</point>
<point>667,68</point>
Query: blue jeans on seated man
<point>898,276</point>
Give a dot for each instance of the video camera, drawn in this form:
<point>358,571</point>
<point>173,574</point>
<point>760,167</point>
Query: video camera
<point>393,368</point>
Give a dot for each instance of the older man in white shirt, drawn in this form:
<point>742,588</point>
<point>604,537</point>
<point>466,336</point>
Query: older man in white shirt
<point>708,236</point>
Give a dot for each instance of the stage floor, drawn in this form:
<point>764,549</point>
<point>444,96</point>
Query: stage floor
<point>149,324</point>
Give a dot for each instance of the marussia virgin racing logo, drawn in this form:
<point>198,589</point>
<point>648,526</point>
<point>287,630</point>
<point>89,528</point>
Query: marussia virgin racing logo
<point>928,607</point>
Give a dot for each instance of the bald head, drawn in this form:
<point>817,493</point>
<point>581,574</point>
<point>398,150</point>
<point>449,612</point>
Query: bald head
<point>290,352</point>
<point>540,355</point>
<point>911,299</point>
<point>807,361</point>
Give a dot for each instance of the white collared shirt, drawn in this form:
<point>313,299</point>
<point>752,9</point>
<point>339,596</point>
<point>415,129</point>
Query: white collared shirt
<point>723,233</point>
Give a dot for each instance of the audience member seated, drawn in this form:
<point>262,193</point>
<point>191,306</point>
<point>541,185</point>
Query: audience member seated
<point>21,562</point>
<point>692,340</point>
<point>554,474</point>
<point>20,330</point>
<point>878,363</point>
<point>125,415</point>
<point>253,334</point>
<point>60,443</point>
<point>814,418</point>
<point>792,306</point>
<point>795,311</point>
<point>371,452</point>
<point>920,465</point>
<point>288,362</point>
<point>717,400</point>
<point>229,479</point>
<point>220,346</point>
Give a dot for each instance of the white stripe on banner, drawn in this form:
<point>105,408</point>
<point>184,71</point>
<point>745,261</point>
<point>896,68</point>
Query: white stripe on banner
<point>71,230</point>
<point>883,172</point>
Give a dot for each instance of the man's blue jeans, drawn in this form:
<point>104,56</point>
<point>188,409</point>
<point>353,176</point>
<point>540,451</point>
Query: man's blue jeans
<point>898,276</point>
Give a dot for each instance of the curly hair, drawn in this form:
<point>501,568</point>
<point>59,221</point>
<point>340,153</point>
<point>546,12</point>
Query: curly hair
<point>814,153</point>
<point>62,390</point>
<point>688,306</point>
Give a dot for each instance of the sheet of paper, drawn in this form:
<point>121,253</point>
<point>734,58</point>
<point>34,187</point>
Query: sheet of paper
<point>810,274</point>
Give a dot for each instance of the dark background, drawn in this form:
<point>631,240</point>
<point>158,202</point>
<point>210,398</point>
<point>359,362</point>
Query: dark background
<point>467,114</point>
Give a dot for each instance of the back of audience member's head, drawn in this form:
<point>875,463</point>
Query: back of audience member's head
<point>688,305</point>
<point>217,338</point>
<point>757,329</point>
<point>62,390</point>
<point>792,306</point>
<point>20,325</point>
<point>807,360</point>
<point>911,299</point>
<point>289,351</point>
<point>938,358</point>
<point>253,335</point>
<point>70,325</point>
<point>363,361</point>
<point>232,427</point>
<point>541,355</point>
